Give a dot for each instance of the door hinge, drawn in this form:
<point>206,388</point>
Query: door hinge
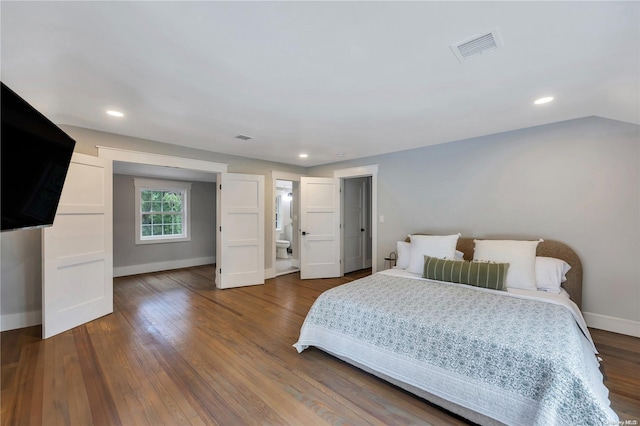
<point>221,187</point>
<point>221,270</point>
<point>221,229</point>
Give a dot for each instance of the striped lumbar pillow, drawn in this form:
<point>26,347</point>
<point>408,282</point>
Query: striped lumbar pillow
<point>480,274</point>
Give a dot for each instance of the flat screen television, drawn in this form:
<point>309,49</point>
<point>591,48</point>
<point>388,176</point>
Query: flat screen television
<point>35,156</point>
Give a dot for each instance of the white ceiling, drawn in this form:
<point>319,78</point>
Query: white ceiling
<point>323,78</point>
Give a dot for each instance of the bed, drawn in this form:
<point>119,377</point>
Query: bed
<point>493,356</point>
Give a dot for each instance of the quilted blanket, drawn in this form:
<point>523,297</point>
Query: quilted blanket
<point>514,359</point>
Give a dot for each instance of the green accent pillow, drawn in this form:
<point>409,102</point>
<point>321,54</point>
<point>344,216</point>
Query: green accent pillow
<point>479,274</point>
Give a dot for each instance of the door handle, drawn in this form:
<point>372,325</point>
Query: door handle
<point>304,233</point>
<point>361,229</point>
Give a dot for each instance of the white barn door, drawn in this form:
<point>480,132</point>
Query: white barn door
<point>77,251</point>
<point>320,227</point>
<point>240,256</point>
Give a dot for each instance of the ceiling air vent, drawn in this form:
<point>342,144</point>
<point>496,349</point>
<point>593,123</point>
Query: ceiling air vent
<point>477,45</point>
<point>244,137</point>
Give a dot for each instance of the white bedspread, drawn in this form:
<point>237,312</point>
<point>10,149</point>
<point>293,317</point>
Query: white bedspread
<point>522,359</point>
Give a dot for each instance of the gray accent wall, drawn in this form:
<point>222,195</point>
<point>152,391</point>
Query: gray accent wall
<point>575,181</point>
<point>127,255</point>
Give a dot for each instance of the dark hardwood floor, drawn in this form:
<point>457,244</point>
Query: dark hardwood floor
<point>177,351</point>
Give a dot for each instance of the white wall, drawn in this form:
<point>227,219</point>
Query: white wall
<point>20,291</point>
<point>575,181</point>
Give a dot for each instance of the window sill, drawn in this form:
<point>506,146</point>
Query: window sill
<point>162,240</point>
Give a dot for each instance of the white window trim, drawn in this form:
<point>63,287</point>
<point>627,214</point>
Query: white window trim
<point>153,184</point>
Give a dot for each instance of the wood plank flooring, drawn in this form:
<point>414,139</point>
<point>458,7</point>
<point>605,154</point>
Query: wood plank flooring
<point>176,351</point>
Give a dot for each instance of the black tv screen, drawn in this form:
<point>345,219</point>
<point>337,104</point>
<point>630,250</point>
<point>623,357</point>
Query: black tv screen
<point>35,156</point>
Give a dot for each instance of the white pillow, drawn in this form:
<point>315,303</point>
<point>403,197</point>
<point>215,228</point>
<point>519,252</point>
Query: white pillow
<point>440,246</point>
<point>459,255</point>
<point>404,255</point>
<point>520,255</point>
<point>551,273</point>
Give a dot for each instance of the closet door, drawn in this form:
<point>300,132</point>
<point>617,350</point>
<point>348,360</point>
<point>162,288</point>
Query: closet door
<point>240,257</point>
<point>77,251</point>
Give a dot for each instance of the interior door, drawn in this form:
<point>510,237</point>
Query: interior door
<point>240,257</point>
<point>354,224</point>
<point>77,251</point>
<point>320,227</point>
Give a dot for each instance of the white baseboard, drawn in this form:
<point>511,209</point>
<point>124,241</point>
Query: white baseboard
<point>121,271</point>
<point>20,320</point>
<point>31,318</point>
<point>269,273</point>
<point>614,324</point>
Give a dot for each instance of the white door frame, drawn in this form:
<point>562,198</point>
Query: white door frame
<point>271,215</point>
<point>148,158</point>
<point>139,157</point>
<point>363,171</point>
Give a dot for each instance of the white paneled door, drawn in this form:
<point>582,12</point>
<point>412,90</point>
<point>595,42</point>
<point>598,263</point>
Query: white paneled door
<point>77,251</point>
<point>240,258</point>
<point>320,227</point>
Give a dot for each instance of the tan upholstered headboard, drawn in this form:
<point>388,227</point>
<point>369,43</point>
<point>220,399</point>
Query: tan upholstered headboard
<point>548,248</point>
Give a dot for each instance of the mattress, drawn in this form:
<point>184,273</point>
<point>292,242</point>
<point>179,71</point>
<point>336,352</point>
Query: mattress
<point>517,358</point>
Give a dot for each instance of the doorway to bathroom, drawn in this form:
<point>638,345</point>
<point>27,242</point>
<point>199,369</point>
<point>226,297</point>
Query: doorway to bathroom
<point>286,219</point>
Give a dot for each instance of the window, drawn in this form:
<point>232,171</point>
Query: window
<point>162,211</point>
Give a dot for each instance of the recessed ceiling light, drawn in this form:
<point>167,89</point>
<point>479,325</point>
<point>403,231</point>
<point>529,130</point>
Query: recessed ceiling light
<point>115,113</point>
<point>303,155</point>
<point>543,100</point>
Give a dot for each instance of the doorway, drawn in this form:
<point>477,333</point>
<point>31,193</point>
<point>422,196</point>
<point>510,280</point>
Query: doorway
<point>370,172</point>
<point>322,222</point>
<point>356,213</point>
<point>157,166</point>
<point>287,258</point>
